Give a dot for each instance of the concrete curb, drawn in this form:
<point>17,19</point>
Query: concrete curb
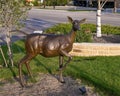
<point>95,49</point>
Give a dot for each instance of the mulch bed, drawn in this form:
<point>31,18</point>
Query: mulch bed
<point>107,39</point>
<point>47,85</point>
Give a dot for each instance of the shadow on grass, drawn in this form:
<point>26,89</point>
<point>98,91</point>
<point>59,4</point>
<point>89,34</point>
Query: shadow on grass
<point>18,47</point>
<point>14,71</point>
<point>95,81</point>
<point>38,63</point>
<point>88,59</point>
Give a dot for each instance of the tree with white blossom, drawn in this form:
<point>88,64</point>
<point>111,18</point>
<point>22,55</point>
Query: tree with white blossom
<point>12,13</point>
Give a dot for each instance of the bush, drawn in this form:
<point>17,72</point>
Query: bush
<point>36,3</point>
<point>85,34</point>
<point>82,35</point>
<point>106,29</point>
<point>56,2</point>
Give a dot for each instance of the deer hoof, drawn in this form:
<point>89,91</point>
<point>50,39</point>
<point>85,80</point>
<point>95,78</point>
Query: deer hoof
<point>62,82</point>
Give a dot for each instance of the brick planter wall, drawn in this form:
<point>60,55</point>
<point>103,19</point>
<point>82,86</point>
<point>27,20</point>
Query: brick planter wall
<point>95,49</point>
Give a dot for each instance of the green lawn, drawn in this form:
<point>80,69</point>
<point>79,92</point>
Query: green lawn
<point>102,72</point>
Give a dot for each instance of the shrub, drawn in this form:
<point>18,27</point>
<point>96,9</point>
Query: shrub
<point>56,2</point>
<point>36,3</point>
<point>85,34</point>
<point>106,29</point>
<point>82,35</point>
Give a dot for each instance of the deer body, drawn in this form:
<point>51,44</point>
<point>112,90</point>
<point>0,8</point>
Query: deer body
<point>49,45</point>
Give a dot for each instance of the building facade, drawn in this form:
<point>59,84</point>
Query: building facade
<point>93,3</point>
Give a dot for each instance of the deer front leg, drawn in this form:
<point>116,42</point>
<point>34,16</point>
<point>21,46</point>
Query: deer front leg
<point>64,53</point>
<point>60,66</point>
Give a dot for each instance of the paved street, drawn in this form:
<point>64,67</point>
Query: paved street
<point>39,19</point>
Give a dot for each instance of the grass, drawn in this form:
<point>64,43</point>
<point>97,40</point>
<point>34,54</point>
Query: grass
<point>102,72</point>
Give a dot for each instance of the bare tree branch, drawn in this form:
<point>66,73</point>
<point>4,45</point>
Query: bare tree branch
<point>102,5</point>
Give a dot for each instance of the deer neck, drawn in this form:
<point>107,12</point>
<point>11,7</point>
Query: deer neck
<point>72,36</point>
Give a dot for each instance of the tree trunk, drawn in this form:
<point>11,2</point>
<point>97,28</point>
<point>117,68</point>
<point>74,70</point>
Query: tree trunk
<point>5,61</point>
<point>115,6</point>
<point>87,3</point>
<point>44,3</point>
<point>54,4</point>
<point>98,20</point>
<point>99,23</point>
<point>90,3</point>
<point>8,41</point>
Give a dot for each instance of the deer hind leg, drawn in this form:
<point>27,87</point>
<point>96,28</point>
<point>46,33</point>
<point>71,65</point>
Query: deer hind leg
<point>28,68</point>
<point>25,60</point>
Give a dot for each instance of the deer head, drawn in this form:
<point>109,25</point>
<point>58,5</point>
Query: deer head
<point>76,23</point>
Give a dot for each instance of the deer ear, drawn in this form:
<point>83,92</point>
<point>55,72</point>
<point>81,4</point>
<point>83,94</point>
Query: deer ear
<point>70,19</point>
<point>82,21</point>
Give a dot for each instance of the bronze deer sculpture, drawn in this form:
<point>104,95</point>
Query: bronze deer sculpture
<point>49,45</point>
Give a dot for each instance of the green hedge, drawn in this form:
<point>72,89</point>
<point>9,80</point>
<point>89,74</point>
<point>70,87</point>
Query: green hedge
<point>106,29</point>
<point>56,2</point>
<point>85,34</point>
<point>82,36</point>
